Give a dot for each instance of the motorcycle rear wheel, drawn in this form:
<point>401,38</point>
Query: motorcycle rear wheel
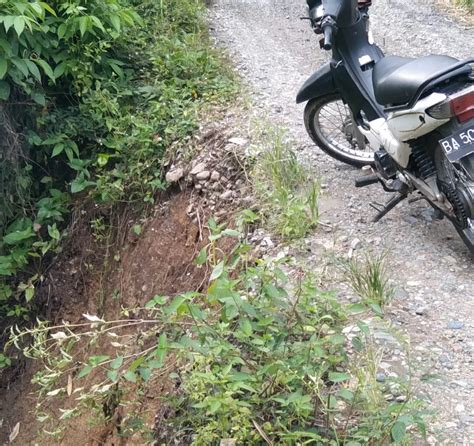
<point>330,124</point>
<point>450,175</point>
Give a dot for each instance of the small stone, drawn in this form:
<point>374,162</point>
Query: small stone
<point>420,311</point>
<point>466,419</point>
<point>227,195</point>
<point>460,408</point>
<point>267,242</point>
<point>238,141</point>
<point>173,176</point>
<point>355,243</point>
<point>198,168</point>
<point>203,176</point>
<point>215,176</point>
<point>455,325</point>
<point>380,377</point>
<point>401,294</point>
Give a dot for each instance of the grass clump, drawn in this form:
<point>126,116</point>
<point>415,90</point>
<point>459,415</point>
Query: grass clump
<point>287,189</point>
<point>368,277</point>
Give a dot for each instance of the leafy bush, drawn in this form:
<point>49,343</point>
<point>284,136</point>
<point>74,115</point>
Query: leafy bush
<point>259,357</point>
<point>92,94</point>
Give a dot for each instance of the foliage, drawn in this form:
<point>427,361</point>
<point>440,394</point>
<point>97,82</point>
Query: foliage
<point>92,95</point>
<point>259,357</point>
<point>288,191</point>
<point>467,3</point>
<point>369,279</point>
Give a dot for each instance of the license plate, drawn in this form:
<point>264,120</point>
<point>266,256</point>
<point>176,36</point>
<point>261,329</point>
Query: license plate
<point>459,144</point>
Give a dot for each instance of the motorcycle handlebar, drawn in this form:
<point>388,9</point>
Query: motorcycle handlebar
<point>328,37</point>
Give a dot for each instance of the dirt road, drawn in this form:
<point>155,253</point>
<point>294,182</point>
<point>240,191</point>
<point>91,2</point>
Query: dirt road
<point>275,52</point>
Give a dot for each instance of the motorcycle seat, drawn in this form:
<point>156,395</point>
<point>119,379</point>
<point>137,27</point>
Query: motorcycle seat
<point>396,80</point>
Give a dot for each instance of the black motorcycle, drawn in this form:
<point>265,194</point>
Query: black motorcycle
<point>411,120</point>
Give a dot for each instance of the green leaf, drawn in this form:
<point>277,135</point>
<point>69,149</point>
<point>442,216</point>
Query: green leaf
<point>8,22</point>
<point>98,24</point>
<point>83,25</point>
<point>246,326</point>
<point>231,233</point>
<point>337,377</point>
<point>39,98</point>
<point>46,68</point>
<point>85,371</point>
<point>116,363</point>
<point>62,30</point>
<point>175,304</point>
<point>112,375</point>
<point>337,339</point>
<point>201,259</point>
<point>59,70</point>
<point>33,69</point>
<point>346,394</point>
<point>29,293</point>
<point>96,360</point>
<point>18,236</point>
<point>4,90</point>
<point>356,308</point>
<point>130,376</point>
<point>376,309</point>
<point>399,431</point>
<point>21,65</point>
<point>19,24</point>
<point>115,21</point>
<point>135,364</point>
<point>3,68</point>
<point>214,406</point>
<point>145,373</point>
<point>53,232</point>
<point>217,271</point>
<point>157,300</point>
<point>58,148</point>
<point>48,8</point>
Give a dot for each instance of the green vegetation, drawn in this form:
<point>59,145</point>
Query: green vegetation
<point>287,191</point>
<point>469,4</point>
<point>259,357</point>
<point>92,95</point>
<point>369,279</point>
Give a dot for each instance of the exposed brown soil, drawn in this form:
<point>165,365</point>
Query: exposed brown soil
<point>159,261</point>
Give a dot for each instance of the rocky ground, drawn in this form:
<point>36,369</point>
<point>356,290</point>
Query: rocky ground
<point>434,304</point>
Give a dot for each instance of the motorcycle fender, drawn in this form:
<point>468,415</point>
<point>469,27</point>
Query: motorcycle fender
<point>319,84</point>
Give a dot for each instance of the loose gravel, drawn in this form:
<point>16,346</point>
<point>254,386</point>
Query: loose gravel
<point>434,303</point>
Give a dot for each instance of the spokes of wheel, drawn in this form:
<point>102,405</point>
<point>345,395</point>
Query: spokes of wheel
<point>337,128</point>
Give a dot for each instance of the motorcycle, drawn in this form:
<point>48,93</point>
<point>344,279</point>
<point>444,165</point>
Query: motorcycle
<point>410,119</point>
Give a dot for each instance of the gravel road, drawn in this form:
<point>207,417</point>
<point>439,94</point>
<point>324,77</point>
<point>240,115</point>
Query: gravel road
<point>434,304</point>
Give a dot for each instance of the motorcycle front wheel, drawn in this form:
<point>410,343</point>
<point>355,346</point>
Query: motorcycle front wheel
<point>330,124</point>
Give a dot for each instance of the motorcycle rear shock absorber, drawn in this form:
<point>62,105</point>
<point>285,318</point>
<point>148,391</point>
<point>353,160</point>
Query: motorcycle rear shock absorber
<point>422,159</point>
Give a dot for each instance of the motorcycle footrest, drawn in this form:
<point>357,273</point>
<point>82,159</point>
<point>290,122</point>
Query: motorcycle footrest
<point>366,180</point>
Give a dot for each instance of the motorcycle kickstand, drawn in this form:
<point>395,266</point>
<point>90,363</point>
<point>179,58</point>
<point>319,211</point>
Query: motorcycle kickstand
<point>387,207</point>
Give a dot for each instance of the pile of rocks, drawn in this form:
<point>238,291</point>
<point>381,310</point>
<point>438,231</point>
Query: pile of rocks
<point>217,174</point>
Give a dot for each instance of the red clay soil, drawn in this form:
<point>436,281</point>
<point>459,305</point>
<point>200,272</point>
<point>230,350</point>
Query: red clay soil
<point>159,261</point>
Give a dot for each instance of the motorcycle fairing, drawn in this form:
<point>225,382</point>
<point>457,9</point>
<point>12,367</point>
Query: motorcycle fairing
<point>319,84</point>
